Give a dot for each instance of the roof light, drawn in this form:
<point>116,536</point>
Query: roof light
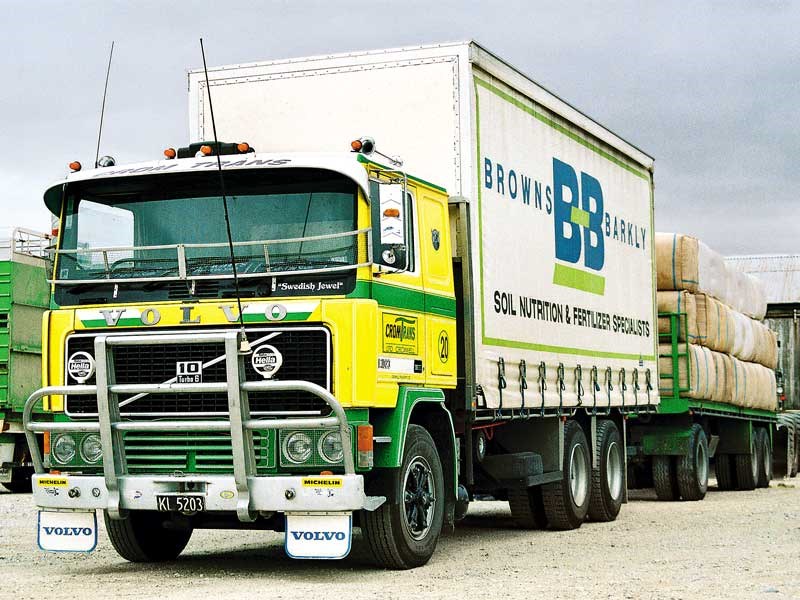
<point>170,153</point>
<point>206,150</point>
<point>106,161</point>
<point>243,147</point>
<point>75,166</point>
<point>364,145</point>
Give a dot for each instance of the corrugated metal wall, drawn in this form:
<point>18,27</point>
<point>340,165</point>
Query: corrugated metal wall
<point>787,326</point>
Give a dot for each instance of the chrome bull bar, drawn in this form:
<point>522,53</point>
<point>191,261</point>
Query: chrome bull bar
<point>240,425</point>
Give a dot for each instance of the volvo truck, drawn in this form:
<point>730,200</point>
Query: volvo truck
<point>439,284</point>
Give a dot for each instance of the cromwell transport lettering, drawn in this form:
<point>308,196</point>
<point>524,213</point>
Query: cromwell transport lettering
<point>557,312</point>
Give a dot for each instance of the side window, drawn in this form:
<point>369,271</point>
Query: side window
<point>392,226</point>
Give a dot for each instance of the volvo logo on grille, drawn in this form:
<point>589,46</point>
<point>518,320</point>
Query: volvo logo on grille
<point>80,366</point>
<point>266,360</point>
<point>189,371</point>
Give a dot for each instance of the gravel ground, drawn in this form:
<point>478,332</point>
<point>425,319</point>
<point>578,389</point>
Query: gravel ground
<point>732,545</point>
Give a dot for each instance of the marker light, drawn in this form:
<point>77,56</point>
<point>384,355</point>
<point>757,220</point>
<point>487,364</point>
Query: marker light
<point>170,153</point>
<point>206,150</point>
<point>392,212</point>
<point>364,445</point>
<point>243,147</point>
<point>364,145</point>
<point>75,166</point>
<point>356,145</point>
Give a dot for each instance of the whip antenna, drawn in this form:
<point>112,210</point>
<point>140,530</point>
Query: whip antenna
<point>103,107</point>
<point>244,345</point>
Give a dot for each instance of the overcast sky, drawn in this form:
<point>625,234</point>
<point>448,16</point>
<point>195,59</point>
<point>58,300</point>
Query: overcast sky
<point>711,90</point>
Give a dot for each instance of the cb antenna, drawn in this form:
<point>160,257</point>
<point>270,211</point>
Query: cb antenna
<point>244,345</point>
<point>103,107</point>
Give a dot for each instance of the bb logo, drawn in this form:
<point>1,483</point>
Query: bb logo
<point>578,219</point>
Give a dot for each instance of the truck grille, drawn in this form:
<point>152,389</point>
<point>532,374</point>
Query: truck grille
<point>191,452</point>
<point>306,357</point>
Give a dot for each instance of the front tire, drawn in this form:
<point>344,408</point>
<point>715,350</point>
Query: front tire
<point>142,537</point>
<point>608,480</point>
<point>693,466</point>
<point>20,481</point>
<point>403,535</point>
<point>566,502</point>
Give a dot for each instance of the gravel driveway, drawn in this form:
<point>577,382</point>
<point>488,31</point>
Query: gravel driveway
<point>731,545</point>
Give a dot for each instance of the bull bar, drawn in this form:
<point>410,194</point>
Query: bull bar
<point>106,489</point>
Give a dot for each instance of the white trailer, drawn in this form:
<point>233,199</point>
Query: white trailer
<point>552,213</point>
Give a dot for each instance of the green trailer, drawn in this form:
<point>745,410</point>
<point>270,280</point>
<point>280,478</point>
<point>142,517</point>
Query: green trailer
<point>673,449</point>
<point>24,297</point>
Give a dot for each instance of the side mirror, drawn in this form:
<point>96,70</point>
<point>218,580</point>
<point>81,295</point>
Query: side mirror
<point>392,222</point>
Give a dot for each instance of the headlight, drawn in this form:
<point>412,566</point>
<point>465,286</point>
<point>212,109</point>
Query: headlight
<point>63,449</point>
<point>330,447</point>
<point>297,447</point>
<point>91,448</point>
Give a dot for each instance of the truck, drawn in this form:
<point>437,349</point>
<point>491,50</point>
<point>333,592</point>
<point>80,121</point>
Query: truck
<point>382,334</point>
<point>24,297</point>
<point>780,274</point>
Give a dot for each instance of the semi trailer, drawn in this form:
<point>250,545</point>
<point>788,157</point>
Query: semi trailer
<point>460,303</point>
<point>24,297</point>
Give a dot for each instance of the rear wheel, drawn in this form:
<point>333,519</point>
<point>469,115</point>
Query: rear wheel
<point>726,475</point>
<point>608,479</point>
<point>566,502</point>
<point>403,534</point>
<point>692,468</point>
<point>747,465</point>
<point>142,537</point>
<point>764,458</point>
<point>527,507</point>
<point>665,480</point>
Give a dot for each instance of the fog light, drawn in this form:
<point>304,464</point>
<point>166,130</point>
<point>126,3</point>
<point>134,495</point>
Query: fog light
<point>330,447</point>
<point>297,447</point>
<point>64,449</point>
<point>91,448</point>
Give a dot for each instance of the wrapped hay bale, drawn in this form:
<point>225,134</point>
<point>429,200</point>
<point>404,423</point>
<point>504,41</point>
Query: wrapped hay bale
<point>703,378</point>
<point>754,386</point>
<point>754,341</point>
<point>685,263</point>
<point>678,302</point>
<point>715,327</point>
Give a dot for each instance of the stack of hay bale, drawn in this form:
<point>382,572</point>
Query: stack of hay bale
<point>732,355</point>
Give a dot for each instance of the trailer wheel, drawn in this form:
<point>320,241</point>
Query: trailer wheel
<point>665,480</point>
<point>566,502</point>
<point>142,537</point>
<point>723,467</point>
<point>747,466</point>
<point>692,469</point>
<point>527,507</point>
<point>608,479</point>
<point>403,535</point>
<point>764,458</point>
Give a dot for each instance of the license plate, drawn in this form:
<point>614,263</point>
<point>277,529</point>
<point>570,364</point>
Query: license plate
<point>67,531</point>
<point>184,504</point>
<point>318,536</point>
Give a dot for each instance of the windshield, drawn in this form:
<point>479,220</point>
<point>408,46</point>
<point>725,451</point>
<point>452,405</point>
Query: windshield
<point>173,226</point>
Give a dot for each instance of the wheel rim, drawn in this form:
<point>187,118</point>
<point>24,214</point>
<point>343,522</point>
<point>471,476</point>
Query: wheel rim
<point>701,457</point>
<point>614,470</point>
<point>578,481</point>
<point>419,497</point>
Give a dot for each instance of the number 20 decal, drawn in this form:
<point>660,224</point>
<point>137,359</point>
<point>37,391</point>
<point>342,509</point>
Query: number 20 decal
<point>444,346</point>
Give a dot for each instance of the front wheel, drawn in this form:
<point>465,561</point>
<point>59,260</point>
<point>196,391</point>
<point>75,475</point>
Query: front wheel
<point>142,537</point>
<point>403,535</point>
<point>20,481</point>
